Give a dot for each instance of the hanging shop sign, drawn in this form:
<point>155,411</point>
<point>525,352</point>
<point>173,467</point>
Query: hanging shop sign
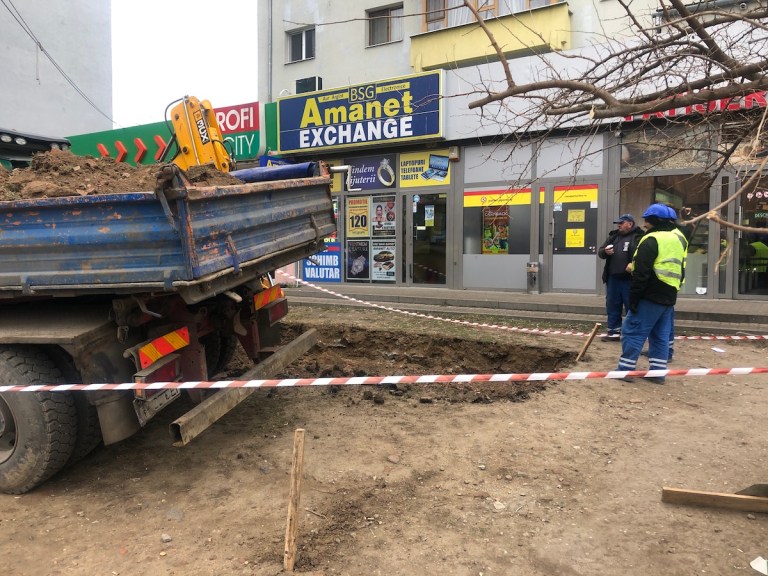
<point>404,109</point>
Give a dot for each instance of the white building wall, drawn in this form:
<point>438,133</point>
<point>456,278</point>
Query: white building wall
<point>35,97</point>
<point>342,56</point>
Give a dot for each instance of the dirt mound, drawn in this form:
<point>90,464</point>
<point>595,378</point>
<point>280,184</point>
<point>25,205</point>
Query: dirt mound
<point>61,173</point>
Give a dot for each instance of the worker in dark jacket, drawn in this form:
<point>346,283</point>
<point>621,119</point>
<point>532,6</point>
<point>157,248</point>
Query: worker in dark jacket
<point>617,252</point>
<point>657,270</point>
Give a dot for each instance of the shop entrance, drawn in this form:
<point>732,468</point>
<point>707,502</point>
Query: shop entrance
<point>751,248</point>
<point>425,239</point>
<point>568,237</point>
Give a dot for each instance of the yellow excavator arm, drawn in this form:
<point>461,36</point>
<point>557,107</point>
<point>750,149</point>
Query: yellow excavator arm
<point>198,136</point>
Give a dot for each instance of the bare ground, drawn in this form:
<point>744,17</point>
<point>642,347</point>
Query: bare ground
<point>535,479</point>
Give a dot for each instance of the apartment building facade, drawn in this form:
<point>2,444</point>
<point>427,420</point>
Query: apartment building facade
<point>451,196</point>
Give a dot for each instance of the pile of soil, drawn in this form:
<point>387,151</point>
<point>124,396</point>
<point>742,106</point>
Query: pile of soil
<point>61,173</point>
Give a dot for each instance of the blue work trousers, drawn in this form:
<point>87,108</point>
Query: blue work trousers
<point>616,301</point>
<point>652,322</point>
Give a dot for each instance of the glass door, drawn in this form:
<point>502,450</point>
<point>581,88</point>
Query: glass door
<point>752,246</point>
<point>427,242</point>
<point>568,236</point>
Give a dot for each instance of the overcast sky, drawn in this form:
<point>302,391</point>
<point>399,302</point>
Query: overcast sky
<point>165,49</point>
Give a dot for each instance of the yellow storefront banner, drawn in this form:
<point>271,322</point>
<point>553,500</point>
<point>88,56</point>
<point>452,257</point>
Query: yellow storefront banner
<point>358,225</point>
<point>480,197</point>
<point>424,169</point>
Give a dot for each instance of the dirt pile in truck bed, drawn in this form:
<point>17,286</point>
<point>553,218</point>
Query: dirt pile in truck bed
<point>61,173</point>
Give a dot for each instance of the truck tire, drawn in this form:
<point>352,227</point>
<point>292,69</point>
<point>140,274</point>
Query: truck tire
<point>88,428</point>
<point>219,351</point>
<point>37,429</point>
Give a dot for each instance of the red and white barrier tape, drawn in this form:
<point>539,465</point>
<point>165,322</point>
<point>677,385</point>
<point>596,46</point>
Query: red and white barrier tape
<point>431,317</point>
<point>385,380</point>
<point>497,326</point>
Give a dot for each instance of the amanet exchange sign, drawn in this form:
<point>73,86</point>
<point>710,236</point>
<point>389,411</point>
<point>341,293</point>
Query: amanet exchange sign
<point>402,109</point>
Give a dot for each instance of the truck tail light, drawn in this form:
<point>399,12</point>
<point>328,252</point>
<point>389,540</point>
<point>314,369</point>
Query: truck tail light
<point>272,313</point>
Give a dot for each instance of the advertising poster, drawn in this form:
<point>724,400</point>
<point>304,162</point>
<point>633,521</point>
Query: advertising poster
<point>429,215</point>
<point>423,169</point>
<point>324,266</point>
<point>358,211</point>
<point>372,172</point>
<point>383,216</point>
<point>358,259</point>
<point>495,230</point>
<point>383,255</point>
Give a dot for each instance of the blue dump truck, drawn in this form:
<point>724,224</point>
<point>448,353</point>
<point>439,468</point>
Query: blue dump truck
<point>150,286</point>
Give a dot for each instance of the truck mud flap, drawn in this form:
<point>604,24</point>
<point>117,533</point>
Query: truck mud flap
<point>193,423</point>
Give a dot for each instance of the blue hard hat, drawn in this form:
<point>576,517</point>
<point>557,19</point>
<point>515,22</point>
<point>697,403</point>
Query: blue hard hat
<point>660,211</point>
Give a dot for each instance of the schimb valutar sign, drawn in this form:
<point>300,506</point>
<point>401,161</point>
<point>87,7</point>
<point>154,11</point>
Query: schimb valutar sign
<point>403,109</point>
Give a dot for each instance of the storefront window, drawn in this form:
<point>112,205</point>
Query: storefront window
<point>683,192</point>
<point>497,221</point>
<point>753,246</point>
<point>653,149</point>
<point>371,226</point>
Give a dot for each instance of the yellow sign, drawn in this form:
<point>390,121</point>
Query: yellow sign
<point>358,209</point>
<point>576,215</point>
<point>481,197</point>
<point>574,238</point>
<point>423,169</point>
<point>582,193</point>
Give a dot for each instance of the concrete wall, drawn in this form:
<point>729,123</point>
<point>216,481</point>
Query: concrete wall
<point>35,96</point>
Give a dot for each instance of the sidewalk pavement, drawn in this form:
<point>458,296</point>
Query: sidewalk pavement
<point>695,314</point>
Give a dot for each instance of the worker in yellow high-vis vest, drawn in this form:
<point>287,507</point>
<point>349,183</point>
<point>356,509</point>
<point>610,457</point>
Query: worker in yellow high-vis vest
<point>658,268</point>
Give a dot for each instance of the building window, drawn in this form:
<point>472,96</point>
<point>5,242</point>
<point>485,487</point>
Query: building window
<point>385,25</point>
<point>439,14</point>
<point>301,45</point>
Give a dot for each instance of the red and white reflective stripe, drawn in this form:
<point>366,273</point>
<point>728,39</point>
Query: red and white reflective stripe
<point>162,346</point>
<point>495,326</point>
<point>267,296</point>
<point>380,380</point>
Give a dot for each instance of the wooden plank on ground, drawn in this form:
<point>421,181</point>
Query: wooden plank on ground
<point>292,525</point>
<point>715,499</point>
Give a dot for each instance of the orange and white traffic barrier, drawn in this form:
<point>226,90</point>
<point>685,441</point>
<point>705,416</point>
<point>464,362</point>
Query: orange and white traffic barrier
<point>386,380</point>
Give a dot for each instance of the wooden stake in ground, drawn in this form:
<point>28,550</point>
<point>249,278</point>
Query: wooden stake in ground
<point>588,342</point>
<point>292,526</point>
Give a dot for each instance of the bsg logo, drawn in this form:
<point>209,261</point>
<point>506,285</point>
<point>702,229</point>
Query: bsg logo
<point>362,93</point>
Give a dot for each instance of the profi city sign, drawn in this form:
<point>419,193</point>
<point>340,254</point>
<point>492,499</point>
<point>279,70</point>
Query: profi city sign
<point>404,109</point>
<point>145,143</point>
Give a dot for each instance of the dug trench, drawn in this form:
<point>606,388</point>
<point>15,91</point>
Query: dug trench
<point>535,478</point>
<point>346,351</point>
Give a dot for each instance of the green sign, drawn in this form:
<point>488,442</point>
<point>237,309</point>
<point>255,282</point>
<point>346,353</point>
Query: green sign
<point>144,144</point>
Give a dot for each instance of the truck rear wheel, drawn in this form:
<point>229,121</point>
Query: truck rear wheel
<point>88,428</point>
<point>37,429</point>
<point>219,351</point>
